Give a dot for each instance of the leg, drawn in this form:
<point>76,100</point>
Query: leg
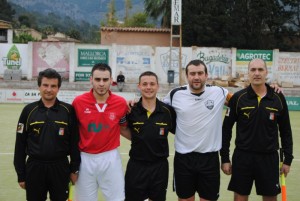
<point>184,179</point>
<point>267,176</point>
<point>269,198</point>
<point>136,181</point>
<point>35,181</point>
<point>86,187</point>
<point>58,178</point>
<point>187,199</point>
<point>239,197</point>
<point>159,176</point>
<point>111,177</point>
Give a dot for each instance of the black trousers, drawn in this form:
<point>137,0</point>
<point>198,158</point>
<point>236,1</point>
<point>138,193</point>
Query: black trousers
<point>43,177</point>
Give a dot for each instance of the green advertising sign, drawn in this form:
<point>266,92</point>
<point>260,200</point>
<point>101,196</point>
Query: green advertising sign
<point>248,55</point>
<point>89,57</point>
<point>293,103</point>
<point>82,76</point>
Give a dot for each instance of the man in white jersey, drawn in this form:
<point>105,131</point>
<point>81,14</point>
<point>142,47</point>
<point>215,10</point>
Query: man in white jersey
<point>198,136</point>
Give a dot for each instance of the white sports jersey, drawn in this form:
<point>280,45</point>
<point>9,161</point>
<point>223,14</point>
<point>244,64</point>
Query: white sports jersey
<point>199,118</point>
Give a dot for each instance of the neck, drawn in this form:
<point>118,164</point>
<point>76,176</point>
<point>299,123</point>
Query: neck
<point>101,98</point>
<point>149,104</point>
<point>48,103</point>
<point>260,90</point>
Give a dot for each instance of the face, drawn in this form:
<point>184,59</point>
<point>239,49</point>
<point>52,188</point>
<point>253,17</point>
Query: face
<point>257,72</point>
<point>148,87</point>
<point>49,89</point>
<point>101,81</point>
<point>196,78</point>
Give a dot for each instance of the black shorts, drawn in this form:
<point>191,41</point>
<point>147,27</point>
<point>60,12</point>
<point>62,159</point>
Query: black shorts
<point>146,180</point>
<point>197,172</point>
<point>263,168</point>
<point>43,177</point>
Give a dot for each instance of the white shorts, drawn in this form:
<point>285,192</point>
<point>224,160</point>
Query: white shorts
<point>102,170</point>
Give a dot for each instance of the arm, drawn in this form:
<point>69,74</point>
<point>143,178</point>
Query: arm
<point>173,118</point>
<point>229,120</point>
<point>285,135</point>
<point>20,148</point>
<point>74,149</point>
<point>125,132</point>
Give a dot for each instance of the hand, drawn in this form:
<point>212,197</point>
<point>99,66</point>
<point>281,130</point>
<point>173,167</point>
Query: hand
<point>285,169</point>
<point>276,88</point>
<point>130,104</point>
<point>73,177</point>
<point>226,168</point>
<point>22,185</point>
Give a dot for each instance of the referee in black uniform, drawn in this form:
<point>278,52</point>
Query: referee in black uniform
<point>259,114</point>
<point>150,121</point>
<point>46,134</point>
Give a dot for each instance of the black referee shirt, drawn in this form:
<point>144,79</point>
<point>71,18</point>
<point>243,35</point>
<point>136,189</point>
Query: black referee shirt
<point>46,134</point>
<point>258,124</point>
<point>149,135</point>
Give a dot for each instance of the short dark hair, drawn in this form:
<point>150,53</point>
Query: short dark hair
<point>148,73</point>
<point>49,73</point>
<point>101,67</point>
<point>196,62</point>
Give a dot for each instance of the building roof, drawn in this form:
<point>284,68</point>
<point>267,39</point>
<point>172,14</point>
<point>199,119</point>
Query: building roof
<point>60,37</point>
<point>135,29</point>
<point>5,24</point>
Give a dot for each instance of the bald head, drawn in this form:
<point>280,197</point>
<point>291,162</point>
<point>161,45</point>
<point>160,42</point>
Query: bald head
<point>257,62</point>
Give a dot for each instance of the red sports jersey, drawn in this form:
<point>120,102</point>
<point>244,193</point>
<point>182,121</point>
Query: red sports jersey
<point>99,124</point>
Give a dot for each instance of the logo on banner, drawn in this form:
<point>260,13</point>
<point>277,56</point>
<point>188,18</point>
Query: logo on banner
<point>13,60</point>
<point>174,65</point>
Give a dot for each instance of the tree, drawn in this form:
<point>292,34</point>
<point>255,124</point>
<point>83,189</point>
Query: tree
<point>204,22</point>
<point>260,23</point>
<point>138,20</point>
<point>73,33</point>
<point>23,38</point>
<point>7,12</point>
<point>128,6</point>
<point>111,15</point>
<point>159,8</point>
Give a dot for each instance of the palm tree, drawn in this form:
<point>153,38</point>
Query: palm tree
<point>159,8</point>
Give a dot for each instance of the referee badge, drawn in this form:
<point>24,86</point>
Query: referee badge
<point>20,128</point>
<point>61,131</point>
<point>272,116</point>
<point>227,112</point>
<point>162,131</point>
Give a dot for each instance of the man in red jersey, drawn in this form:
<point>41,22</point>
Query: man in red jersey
<point>101,114</point>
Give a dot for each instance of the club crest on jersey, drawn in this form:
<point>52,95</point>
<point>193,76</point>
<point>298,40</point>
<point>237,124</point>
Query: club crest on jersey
<point>112,116</point>
<point>61,131</point>
<point>209,104</point>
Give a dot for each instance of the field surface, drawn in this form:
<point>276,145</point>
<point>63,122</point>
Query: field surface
<point>10,190</point>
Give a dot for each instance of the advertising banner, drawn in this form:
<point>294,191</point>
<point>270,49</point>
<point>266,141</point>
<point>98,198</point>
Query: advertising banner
<point>132,61</point>
<point>163,63</point>
<point>293,103</point>
<point>54,55</point>
<point>288,69</point>
<point>217,60</point>
<point>82,76</point>
<point>244,56</point>
<point>89,57</point>
<point>14,57</point>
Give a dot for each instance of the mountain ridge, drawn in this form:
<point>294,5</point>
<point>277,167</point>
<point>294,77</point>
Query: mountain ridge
<point>93,12</point>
